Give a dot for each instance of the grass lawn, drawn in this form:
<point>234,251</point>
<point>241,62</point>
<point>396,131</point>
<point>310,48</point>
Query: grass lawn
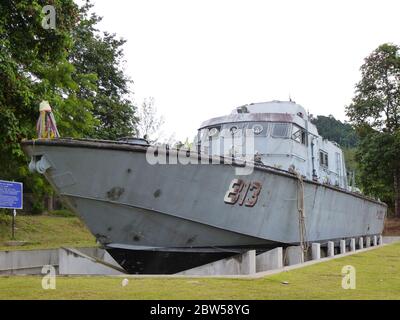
<point>377,277</point>
<point>45,232</point>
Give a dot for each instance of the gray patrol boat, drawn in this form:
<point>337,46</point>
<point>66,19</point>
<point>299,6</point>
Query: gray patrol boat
<point>162,210</point>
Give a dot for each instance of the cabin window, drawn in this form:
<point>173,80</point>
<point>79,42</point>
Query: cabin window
<point>299,134</point>
<point>323,159</point>
<point>233,129</point>
<point>280,130</point>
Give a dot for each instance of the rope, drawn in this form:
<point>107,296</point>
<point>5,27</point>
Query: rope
<point>301,211</point>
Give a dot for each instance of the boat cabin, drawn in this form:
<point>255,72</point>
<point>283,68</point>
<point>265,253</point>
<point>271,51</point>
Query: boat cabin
<point>284,137</point>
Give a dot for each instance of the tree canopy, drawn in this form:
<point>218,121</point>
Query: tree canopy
<point>335,130</point>
<point>375,112</point>
<point>74,67</point>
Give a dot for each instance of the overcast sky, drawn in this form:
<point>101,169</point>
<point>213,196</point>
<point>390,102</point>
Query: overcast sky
<point>200,59</point>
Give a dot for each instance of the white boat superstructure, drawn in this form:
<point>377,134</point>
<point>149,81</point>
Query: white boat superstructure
<point>284,137</point>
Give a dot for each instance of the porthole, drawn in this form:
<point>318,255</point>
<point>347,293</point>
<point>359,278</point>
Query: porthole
<point>213,132</point>
<point>257,128</point>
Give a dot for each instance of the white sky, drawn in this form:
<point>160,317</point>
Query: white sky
<point>200,59</point>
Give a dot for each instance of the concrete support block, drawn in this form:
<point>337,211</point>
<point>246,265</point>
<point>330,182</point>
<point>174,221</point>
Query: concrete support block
<point>240,264</point>
<point>316,251</point>
<point>367,242</point>
<point>294,255</point>
<point>331,249</point>
<point>360,243</point>
<point>32,261</point>
<point>380,240</point>
<point>352,244</point>
<point>27,261</point>
<point>72,261</point>
<point>270,260</point>
<point>99,253</point>
<point>248,265</point>
<point>375,241</point>
<point>342,246</point>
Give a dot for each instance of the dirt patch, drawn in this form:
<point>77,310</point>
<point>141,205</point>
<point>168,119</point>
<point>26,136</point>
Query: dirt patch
<point>392,227</point>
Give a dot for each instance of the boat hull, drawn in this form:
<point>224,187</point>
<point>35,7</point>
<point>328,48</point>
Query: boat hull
<point>132,205</point>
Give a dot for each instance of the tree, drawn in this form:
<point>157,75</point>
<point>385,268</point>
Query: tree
<point>149,122</point>
<point>187,145</point>
<point>77,70</point>
<point>345,135</point>
<point>377,155</point>
<point>375,112</point>
<point>34,67</point>
<point>335,130</point>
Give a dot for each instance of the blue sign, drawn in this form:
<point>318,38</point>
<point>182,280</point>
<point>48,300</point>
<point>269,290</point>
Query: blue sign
<point>11,195</point>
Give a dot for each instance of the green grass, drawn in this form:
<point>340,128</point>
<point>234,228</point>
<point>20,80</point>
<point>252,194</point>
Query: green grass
<point>62,213</point>
<point>377,277</point>
<point>42,232</point>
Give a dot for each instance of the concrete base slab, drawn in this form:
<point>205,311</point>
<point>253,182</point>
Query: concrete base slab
<point>74,262</point>
<point>241,264</point>
<point>309,263</point>
<point>270,260</point>
<point>27,261</point>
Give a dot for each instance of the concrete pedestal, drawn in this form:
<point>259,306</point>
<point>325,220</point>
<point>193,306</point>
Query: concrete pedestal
<point>352,244</point>
<point>342,246</point>
<point>331,249</point>
<point>367,242</point>
<point>270,260</point>
<point>375,241</point>
<point>316,251</point>
<point>294,255</point>
<point>380,240</point>
<point>248,265</point>
<point>27,261</point>
<point>72,261</point>
<point>360,243</point>
<point>240,264</point>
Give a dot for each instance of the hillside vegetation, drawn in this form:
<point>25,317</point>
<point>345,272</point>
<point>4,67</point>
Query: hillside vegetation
<point>335,130</point>
<point>343,134</point>
<point>45,232</point>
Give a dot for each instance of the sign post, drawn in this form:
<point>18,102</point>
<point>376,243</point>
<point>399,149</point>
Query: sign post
<point>11,198</point>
